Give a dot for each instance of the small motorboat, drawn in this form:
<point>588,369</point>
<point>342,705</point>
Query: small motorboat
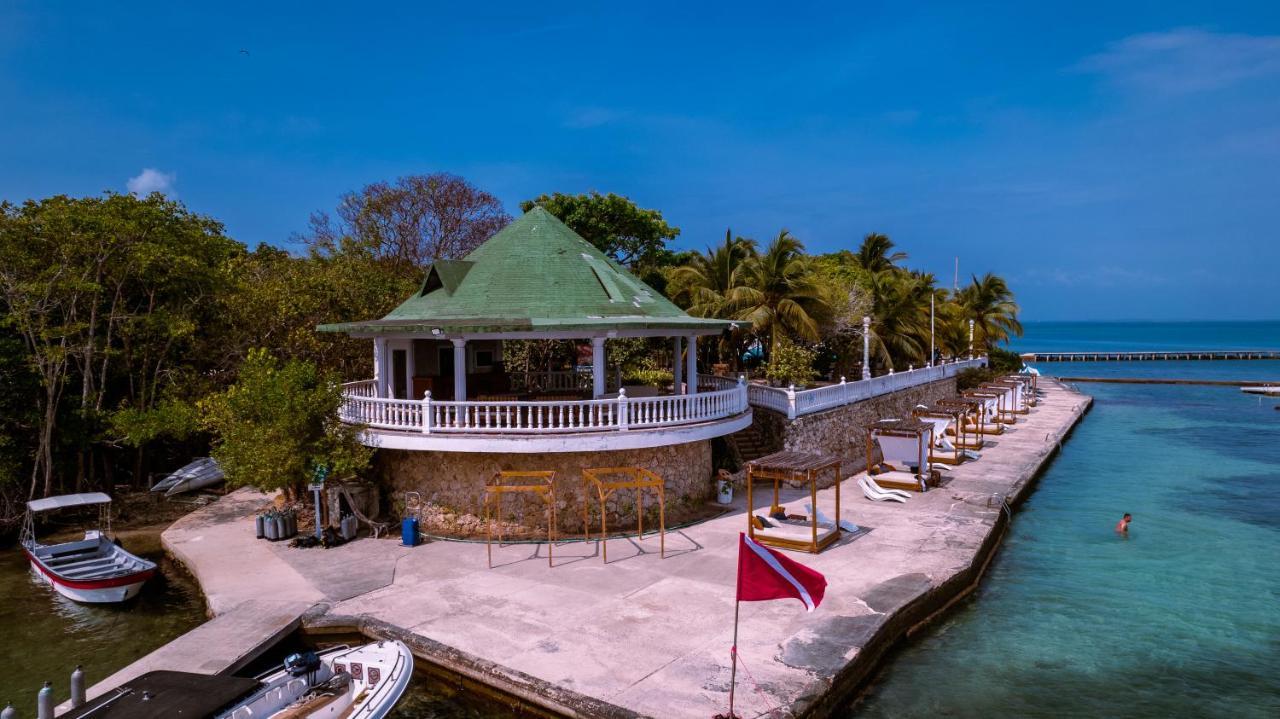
<point>93,570</point>
<point>364,682</point>
<point>203,472</point>
<point>1265,389</point>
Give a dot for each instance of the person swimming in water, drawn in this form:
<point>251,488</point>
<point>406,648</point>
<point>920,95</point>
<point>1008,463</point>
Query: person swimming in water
<point>1122,527</point>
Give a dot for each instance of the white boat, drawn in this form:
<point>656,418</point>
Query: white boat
<point>93,570</point>
<point>340,683</point>
<point>360,683</point>
<point>1267,389</point>
<point>203,472</point>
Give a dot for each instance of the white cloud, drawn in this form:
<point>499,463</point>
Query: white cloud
<point>152,180</point>
<point>1185,60</point>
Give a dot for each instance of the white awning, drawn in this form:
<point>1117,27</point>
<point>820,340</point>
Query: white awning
<point>67,500</point>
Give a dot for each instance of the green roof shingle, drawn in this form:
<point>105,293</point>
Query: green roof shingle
<point>535,274</point>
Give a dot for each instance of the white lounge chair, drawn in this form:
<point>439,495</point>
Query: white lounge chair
<point>845,524</point>
<point>876,493</point>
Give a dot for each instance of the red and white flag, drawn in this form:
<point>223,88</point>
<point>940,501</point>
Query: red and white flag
<point>764,574</point>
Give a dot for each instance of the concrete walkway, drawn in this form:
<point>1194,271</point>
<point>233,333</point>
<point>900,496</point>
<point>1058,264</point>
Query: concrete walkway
<point>644,635</point>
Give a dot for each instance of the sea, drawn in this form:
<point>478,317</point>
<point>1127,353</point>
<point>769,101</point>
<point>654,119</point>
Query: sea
<point>1179,619</point>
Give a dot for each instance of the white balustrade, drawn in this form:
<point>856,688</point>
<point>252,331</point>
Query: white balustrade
<point>530,417</point>
<point>819,399</point>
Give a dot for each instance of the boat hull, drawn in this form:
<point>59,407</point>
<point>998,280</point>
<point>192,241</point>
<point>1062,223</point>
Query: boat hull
<point>93,571</point>
<point>105,592</point>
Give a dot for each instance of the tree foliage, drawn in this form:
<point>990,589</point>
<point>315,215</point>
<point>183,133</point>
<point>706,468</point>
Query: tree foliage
<point>411,222</point>
<point>279,421</point>
<point>635,237</point>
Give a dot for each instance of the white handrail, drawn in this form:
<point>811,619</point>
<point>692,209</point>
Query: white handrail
<point>623,413</point>
<point>795,403</point>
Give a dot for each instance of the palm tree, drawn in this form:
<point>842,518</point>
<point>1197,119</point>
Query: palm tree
<point>900,316</point>
<point>781,293</point>
<point>703,285</point>
<point>990,304</point>
<point>874,254</point>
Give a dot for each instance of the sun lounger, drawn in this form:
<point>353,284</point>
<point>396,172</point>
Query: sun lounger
<point>876,493</point>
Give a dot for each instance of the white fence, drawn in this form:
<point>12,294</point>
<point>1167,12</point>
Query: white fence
<point>526,417</point>
<point>795,403</point>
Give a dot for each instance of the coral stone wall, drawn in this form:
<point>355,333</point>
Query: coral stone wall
<point>452,487</point>
<point>841,431</point>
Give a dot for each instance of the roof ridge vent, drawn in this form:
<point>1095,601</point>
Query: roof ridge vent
<point>605,278</point>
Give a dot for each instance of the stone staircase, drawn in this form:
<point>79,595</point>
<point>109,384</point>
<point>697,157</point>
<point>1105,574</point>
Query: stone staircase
<point>751,443</point>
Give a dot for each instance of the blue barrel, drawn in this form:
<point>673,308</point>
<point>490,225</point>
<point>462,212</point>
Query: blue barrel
<point>409,532</point>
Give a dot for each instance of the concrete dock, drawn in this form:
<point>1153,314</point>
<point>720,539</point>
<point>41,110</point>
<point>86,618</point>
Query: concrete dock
<point>642,635</point>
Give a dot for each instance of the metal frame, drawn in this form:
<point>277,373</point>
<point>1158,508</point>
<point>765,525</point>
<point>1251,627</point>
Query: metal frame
<point>805,468</point>
<point>493,492</point>
<point>640,479</point>
<point>923,474</point>
<point>972,410</point>
<point>957,418</point>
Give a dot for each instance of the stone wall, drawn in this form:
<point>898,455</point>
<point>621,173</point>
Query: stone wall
<point>452,487</point>
<point>840,431</point>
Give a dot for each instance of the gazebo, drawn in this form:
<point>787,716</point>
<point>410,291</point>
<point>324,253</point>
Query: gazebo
<point>442,401</point>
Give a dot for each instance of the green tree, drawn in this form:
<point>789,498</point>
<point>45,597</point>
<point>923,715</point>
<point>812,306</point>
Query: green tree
<point>900,317</point>
<point>631,235</point>
<point>874,255</point>
<point>277,422</point>
<point>106,293</point>
<point>989,302</point>
<point>792,364</point>
<point>703,284</point>
<point>780,295</point>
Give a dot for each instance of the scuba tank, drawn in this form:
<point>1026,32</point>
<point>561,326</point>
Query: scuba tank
<point>259,526</point>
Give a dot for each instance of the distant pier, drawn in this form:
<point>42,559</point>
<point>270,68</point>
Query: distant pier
<point>1147,356</point>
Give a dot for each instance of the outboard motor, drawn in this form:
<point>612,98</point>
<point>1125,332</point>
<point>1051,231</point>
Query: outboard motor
<point>302,664</point>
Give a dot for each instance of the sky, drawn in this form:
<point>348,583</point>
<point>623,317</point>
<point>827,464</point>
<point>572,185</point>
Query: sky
<point>1114,161</point>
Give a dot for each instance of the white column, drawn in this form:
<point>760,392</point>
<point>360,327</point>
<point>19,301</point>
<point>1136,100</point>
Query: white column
<point>380,366</point>
<point>866,348</point>
<point>970,339</point>
<point>691,373</point>
<point>597,367</point>
<point>677,366</point>
<point>459,370</point>
<point>409,370</point>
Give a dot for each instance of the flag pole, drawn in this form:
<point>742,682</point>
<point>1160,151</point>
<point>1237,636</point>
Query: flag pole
<point>733,651</point>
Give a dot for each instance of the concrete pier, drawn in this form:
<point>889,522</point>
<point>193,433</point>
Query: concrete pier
<point>645,636</point>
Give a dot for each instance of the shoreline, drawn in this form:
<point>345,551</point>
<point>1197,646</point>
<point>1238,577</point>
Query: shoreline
<point>927,556</point>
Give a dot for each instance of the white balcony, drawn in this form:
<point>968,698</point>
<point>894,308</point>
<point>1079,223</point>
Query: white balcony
<point>550,425</point>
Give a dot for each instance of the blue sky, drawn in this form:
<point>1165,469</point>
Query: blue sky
<point>1113,160</point>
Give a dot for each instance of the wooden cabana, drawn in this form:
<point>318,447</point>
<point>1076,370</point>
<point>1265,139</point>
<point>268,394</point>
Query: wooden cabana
<point>904,449</point>
<point>993,409</point>
<point>972,413</point>
<point>946,421</point>
<point>807,533</point>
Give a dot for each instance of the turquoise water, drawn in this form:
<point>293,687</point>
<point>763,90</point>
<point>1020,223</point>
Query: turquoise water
<point>1180,619</point>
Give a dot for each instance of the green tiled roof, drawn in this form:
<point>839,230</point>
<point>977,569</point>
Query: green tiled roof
<point>535,274</point>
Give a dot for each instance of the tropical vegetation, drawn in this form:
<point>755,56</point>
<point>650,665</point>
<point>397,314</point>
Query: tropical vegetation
<point>135,333</point>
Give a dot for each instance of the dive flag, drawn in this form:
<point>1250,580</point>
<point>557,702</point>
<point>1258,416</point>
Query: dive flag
<point>764,574</point>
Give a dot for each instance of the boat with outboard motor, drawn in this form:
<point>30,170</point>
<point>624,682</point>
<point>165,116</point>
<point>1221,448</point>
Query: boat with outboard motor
<point>341,682</point>
<point>93,570</point>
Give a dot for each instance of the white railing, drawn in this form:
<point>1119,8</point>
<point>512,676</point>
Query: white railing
<point>795,403</point>
<point>525,417</point>
<point>363,388</point>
